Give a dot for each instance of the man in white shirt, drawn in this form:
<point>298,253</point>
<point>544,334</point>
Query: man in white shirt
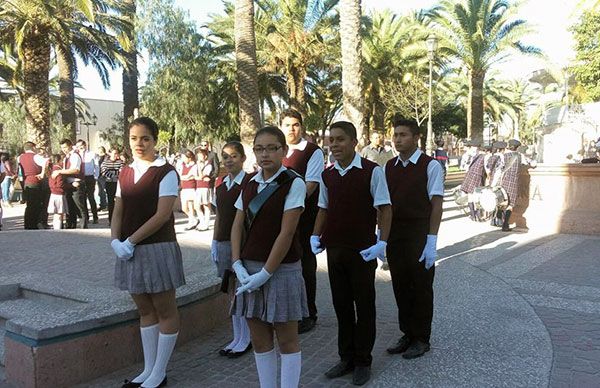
<point>91,170</point>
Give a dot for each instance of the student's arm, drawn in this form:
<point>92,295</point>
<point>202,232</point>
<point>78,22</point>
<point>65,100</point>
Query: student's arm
<point>117,218</point>
<point>289,223</point>
<point>311,187</point>
<point>164,210</point>
<point>436,214</point>
<point>384,221</point>
<point>314,170</point>
<point>320,222</point>
<point>237,230</point>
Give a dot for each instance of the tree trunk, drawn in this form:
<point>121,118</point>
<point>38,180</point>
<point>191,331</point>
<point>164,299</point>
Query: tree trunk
<point>378,112</point>
<point>67,91</point>
<point>296,80</point>
<point>130,78</point>
<point>247,77</point>
<point>352,81</point>
<point>475,105</point>
<point>36,68</point>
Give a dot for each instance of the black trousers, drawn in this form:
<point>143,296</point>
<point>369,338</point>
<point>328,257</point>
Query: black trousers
<point>309,265</point>
<point>102,191</point>
<point>45,196</point>
<point>111,190</point>
<point>353,290</point>
<point>33,209</point>
<point>412,283</point>
<point>76,201</point>
<point>90,186</point>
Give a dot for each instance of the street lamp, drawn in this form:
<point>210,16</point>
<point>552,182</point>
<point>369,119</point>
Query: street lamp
<point>432,45</point>
<point>87,123</point>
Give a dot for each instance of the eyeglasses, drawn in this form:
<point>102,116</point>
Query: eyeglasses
<point>270,149</point>
<point>203,145</point>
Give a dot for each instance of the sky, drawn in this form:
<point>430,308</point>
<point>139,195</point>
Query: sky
<point>550,20</point>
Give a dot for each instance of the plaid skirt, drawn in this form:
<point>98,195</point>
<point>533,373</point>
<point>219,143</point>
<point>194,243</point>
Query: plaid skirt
<point>281,299</point>
<point>223,257</point>
<point>153,268</point>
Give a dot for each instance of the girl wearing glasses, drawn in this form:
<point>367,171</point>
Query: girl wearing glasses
<point>271,293</point>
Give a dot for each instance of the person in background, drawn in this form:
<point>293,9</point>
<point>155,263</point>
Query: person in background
<point>109,171</point>
<point>203,189</point>
<point>101,182</point>
<point>32,167</point>
<point>2,174</point>
<point>57,205</point>
<point>188,171</point>
<point>441,155</point>
<point>376,152</point>
<point>74,185</point>
<point>475,176</point>
<point>45,191</point>
<point>90,171</point>
<point>9,176</point>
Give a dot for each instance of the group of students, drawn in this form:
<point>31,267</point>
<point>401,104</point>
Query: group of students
<point>269,226</point>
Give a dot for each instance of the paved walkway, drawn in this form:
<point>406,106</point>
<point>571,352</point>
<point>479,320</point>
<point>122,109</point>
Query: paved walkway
<point>513,310</point>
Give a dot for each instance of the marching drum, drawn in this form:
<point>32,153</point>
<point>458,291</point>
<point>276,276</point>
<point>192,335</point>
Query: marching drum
<point>492,197</point>
<point>460,197</point>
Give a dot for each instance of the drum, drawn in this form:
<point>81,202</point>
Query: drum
<point>460,197</point>
<point>492,197</point>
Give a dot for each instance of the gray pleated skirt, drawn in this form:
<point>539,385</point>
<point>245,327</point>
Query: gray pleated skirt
<point>153,268</point>
<point>223,257</point>
<point>281,299</point>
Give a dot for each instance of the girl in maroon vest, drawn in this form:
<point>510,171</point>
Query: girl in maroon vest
<point>149,263</point>
<point>187,172</point>
<point>203,189</point>
<point>227,192</point>
<point>57,206</point>
<point>271,293</point>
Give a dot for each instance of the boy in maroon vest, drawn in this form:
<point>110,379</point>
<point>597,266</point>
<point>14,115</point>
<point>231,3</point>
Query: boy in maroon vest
<point>416,185</point>
<point>308,160</point>
<point>32,168</point>
<point>352,199</point>
<point>75,191</point>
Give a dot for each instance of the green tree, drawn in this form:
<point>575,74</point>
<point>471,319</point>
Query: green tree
<point>130,71</point>
<point>587,47</point>
<point>479,33</point>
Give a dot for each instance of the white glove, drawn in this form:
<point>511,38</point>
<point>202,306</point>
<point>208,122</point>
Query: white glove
<point>430,252</point>
<point>315,244</point>
<point>240,271</point>
<point>254,282</point>
<point>116,246</point>
<point>123,249</point>
<point>213,251</point>
<point>374,252</point>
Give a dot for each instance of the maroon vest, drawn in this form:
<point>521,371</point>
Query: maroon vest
<point>191,184</point>
<point>29,168</point>
<point>298,162</point>
<point>67,164</point>
<point>140,201</point>
<point>57,185</point>
<point>226,206</point>
<point>201,183</point>
<point>267,225</point>
<point>408,192</point>
<point>351,217</point>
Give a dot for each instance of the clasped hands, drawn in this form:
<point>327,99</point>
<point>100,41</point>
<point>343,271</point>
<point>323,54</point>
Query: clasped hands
<point>123,249</point>
<point>249,282</point>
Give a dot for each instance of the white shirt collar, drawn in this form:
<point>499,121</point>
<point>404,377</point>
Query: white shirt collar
<point>301,146</point>
<point>259,177</point>
<point>237,180</point>
<point>356,162</point>
<point>414,158</point>
<point>157,163</point>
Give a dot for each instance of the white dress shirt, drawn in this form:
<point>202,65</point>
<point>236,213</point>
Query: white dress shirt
<point>316,163</point>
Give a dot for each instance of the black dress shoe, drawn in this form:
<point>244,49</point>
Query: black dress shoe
<point>130,384</point>
<point>416,349</point>
<point>233,354</point>
<point>224,352</point>
<point>340,369</point>
<point>361,375</point>
<point>307,324</point>
<point>400,347</point>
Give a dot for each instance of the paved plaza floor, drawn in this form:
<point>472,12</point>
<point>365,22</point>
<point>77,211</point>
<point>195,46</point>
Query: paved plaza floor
<point>511,309</point>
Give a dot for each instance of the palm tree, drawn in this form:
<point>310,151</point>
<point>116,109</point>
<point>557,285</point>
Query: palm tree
<point>131,100</point>
<point>247,78</point>
<point>479,33</point>
<point>352,71</point>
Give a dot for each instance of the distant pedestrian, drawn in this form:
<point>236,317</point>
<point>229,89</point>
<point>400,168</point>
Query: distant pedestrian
<point>475,176</point>
<point>204,183</point>
<point>101,156</point>
<point>90,171</point>
<point>441,155</point>
<point>188,170</point>
<point>57,205</point>
<point>148,263</point>
<point>32,166</point>
<point>227,191</point>
<point>72,171</point>
<point>10,174</point>
<point>376,151</point>
<point>109,171</point>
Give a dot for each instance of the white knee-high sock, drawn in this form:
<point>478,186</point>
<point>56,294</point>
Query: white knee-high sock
<point>56,222</point>
<point>149,336</point>
<point>235,323</point>
<point>207,217</point>
<point>243,337</point>
<point>166,344</point>
<point>266,365</point>
<point>291,365</point>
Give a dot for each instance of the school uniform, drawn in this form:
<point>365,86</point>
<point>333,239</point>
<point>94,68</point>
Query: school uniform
<point>283,297</point>
<point>188,187</point>
<point>31,165</point>
<point>76,196</point>
<point>412,184</point>
<point>203,188</point>
<point>58,201</point>
<point>351,196</point>
<point>308,160</point>
<point>156,265</point>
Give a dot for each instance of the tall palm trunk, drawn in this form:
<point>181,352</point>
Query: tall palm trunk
<point>352,77</point>
<point>130,77</point>
<point>475,105</point>
<point>247,76</point>
<point>295,84</point>
<point>67,91</point>
<point>36,67</point>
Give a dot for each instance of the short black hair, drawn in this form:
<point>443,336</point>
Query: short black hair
<point>190,155</point>
<point>272,130</point>
<point>67,142</point>
<point>439,142</point>
<point>81,141</point>
<point>410,124</point>
<point>291,113</point>
<point>148,123</point>
<point>346,126</point>
<point>236,145</point>
<point>28,145</point>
